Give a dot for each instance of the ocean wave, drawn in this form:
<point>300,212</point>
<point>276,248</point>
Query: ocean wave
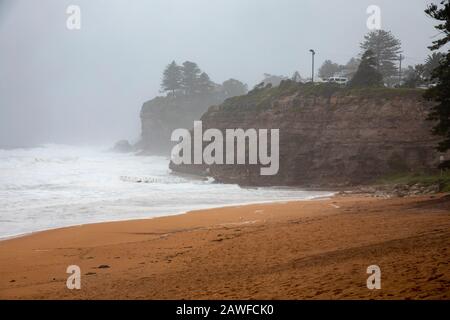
<point>57,186</point>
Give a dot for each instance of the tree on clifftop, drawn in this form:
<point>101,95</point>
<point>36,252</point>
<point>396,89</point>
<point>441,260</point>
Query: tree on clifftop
<point>172,77</point>
<point>329,69</point>
<point>233,88</point>
<point>351,67</point>
<point>204,83</point>
<point>414,76</point>
<point>367,74</point>
<point>386,49</point>
<point>441,75</point>
<point>191,74</point>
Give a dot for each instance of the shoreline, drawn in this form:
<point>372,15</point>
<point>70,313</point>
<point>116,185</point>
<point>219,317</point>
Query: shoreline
<point>312,198</point>
<point>295,250</point>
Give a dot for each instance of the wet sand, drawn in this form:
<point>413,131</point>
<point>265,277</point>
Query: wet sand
<point>297,250</point>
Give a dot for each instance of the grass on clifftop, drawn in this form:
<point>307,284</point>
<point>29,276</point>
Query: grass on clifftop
<point>261,97</point>
<point>326,90</point>
<point>384,92</point>
<point>419,178</point>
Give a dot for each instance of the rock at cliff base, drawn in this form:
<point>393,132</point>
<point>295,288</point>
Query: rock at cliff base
<point>123,146</point>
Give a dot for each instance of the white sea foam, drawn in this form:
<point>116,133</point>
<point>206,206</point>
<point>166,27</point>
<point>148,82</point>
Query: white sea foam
<point>56,186</point>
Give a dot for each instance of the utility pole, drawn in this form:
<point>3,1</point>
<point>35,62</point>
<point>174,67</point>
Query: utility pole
<point>400,71</point>
<point>312,74</point>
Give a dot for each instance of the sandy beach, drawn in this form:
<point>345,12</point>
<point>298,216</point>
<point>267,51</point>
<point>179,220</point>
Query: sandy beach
<point>298,250</point>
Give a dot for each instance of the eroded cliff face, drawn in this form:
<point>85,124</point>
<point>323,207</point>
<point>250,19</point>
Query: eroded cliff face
<point>328,137</point>
<point>162,115</point>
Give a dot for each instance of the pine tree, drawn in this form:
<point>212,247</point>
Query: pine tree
<point>386,49</point>
<point>172,77</point>
<point>204,83</point>
<point>191,74</point>
<point>367,74</point>
<point>441,14</point>
<point>351,67</point>
<point>441,75</point>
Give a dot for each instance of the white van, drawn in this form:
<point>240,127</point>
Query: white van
<point>339,80</point>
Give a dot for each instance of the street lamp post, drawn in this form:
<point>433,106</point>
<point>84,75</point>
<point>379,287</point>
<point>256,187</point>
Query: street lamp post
<point>313,53</point>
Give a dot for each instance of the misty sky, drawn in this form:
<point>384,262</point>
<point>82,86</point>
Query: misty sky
<point>88,86</point>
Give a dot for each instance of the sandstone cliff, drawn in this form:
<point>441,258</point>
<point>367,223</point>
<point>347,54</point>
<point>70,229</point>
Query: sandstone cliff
<point>162,115</point>
<point>328,136</point>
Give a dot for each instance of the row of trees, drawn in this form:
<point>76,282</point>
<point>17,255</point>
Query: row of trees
<point>380,47</point>
<point>189,79</point>
<point>330,68</point>
<point>382,51</point>
<point>421,74</point>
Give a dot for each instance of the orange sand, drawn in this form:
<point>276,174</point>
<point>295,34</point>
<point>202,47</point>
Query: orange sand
<point>299,250</point>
